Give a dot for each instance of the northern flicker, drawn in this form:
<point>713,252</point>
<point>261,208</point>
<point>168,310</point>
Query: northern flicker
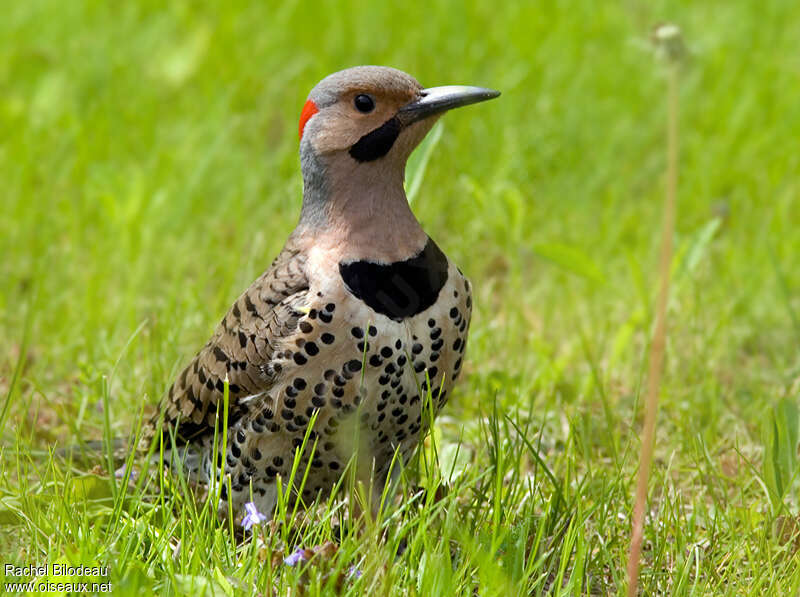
<point>361,320</point>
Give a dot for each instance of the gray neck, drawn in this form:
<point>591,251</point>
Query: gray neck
<point>361,206</point>
<point>316,189</point>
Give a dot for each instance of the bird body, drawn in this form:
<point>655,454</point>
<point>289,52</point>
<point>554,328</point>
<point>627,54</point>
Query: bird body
<point>359,321</point>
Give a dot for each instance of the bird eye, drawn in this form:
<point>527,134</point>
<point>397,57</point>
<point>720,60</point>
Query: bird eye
<point>364,103</point>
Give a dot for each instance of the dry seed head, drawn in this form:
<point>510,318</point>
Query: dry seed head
<point>668,40</point>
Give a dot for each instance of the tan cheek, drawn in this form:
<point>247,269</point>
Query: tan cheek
<point>344,128</point>
<point>335,136</point>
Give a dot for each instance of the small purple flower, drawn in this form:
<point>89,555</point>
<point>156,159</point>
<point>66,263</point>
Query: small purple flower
<point>354,572</point>
<point>253,516</point>
<point>121,471</point>
<point>297,556</point>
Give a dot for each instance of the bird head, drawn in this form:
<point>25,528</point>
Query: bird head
<point>357,130</point>
<point>372,113</point>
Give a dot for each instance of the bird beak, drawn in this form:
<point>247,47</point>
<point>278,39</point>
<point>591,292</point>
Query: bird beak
<point>436,100</point>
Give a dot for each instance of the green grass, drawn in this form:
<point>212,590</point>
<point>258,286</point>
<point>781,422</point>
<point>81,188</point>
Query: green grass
<point>149,172</point>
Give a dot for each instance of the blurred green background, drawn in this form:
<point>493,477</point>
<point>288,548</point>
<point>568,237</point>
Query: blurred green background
<point>149,172</point>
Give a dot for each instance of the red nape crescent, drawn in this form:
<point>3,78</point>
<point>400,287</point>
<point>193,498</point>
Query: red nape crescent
<point>309,109</point>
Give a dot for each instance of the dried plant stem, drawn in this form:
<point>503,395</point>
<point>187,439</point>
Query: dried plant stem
<point>657,347</point>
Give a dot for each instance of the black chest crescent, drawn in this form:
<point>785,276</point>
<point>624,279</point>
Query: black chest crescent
<point>401,289</point>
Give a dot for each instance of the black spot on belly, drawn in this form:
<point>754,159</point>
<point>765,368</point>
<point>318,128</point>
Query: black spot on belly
<point>401,289</point>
